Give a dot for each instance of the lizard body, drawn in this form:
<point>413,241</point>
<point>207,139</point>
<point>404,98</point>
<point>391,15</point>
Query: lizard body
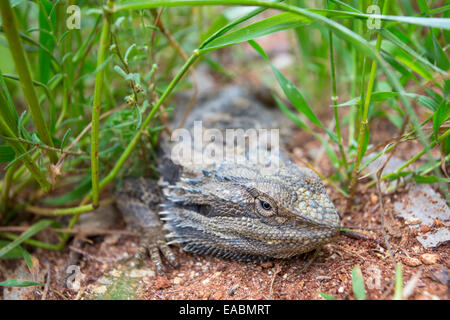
<point>233,209</point>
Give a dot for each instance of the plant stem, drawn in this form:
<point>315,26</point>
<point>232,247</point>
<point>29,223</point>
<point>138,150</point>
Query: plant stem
<point>31,242</point>
<point>65,211</point>
<point>99,77</point>
<point>335,102</point>
<point>23,71</point>
<point>364,120</point>
<point>5,189</point>
<point>19,150</point>
<point>417,156</point>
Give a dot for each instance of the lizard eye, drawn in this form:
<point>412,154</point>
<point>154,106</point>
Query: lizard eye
<point>265,208</point>
<point>266,205</point>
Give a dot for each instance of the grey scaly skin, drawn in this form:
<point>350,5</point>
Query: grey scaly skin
<point>232,210</point>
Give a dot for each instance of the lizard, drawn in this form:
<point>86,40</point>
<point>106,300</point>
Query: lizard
<point>238,210</point>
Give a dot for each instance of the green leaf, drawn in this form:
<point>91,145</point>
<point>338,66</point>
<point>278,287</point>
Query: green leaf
<point>15,3</point>
<point>396,40</point>
<point>45,39</point>
<point>382,96</point>
<point>422,21</point>
<point>327,296</point>
<point>7,154</point>
<point>428,103</point>
<point>398,292</point>
<point>233,24</point>
<point>7,110</point>
<point>127,53</point>
<point>63,141</point>
<point>358,284</point>
<point>429,179</point>
<point>439,54</point>
<point>406,59</point>
<point>17,253</point>
<point>20,283</point>
<point>23,133</point>
<point>258,29</point>
<point>31,231</point>
<point>440,116</point>
<point>19,157</point>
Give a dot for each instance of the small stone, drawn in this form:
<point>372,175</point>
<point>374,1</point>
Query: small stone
<point>205,282</point>
<point>373,198</point>
<point>413,221</point>
<point>425,228</point>
<point>218,296</point>
<point>437,223</point>
<point>177,280</point>
<point>268,264</point>
<point>341,290</point>
<point>142,273</point>
<point>99,290</point>
<point>429,258</point>
<point>412,262</point>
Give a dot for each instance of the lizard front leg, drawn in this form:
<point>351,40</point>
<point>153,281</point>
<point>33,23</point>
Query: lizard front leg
<point>138,201</point>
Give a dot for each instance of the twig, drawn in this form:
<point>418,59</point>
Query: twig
<point>360,236</point>
<point>277,271</point>
<point>183,54</point>
<point>42,146</point>
<point>47,283</point>
<point>73,231</point>
<point>66,211</point>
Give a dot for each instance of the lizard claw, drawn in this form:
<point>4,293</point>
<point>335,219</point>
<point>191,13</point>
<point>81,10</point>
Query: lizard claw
<point>154,244</point>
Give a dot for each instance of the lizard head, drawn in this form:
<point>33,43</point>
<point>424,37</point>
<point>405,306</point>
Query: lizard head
<point>246,213</point>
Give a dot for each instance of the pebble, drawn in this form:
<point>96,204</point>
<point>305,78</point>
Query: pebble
<point>373,198</point>
<point>413,221</point>
<point>341,290</point>
<point>412,262</point>
<point>141,273</point>
<point>268,264</point>
<point>429,258</point>
<point>218,296</point>
<point>99,290</point>
<point>177,280</point>
<point>437,223</point>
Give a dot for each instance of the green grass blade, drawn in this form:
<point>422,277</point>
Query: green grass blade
<point>358,284</point>
<point>327,296</point>
<point>35,228</point>
<point>398,291</point>
<point>20,283</point>
<point>258,29</point>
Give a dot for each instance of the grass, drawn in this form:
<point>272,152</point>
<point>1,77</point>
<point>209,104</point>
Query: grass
<point>82,108</point>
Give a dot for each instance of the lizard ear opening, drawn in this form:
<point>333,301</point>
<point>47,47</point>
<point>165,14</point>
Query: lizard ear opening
<point>265,207</point>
